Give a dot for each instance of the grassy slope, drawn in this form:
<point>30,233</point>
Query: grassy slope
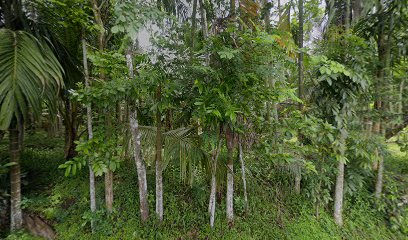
<point>64,201</point>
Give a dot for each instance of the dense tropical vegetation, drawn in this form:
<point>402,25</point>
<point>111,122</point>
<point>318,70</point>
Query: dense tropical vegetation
<point>203,119</point>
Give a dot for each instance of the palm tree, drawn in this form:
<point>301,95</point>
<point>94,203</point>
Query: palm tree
<point>180,144</point>
<point>29,74</point>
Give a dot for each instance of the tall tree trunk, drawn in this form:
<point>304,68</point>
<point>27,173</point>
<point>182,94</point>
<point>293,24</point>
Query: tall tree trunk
<point>51,126</point>
<point>357,9</point>
<point>330,11</point>
<point>204,29</point>
<point>400,98</point>
<point>109,190</point>
<point>376,129</point>
<point>300,43</point>
<point>16,215</point>
<point>298,176</point>
<point>229,137</point>
<point>98,19</point>
<point>274,107</point>
<point>137,150</point>
<point>338,198</point>
<point>379,182</point>
<point>384,74</point>
<point>140,167</point>
<point>213,190</point>
<point>267,17</point>
<point>101,44</point>
<point>214,157</point>
<point>126,140</point>
<point>70,123</point>
<point>90,134</point>
<point>193,27</point>
<point>204,26</point>
<point>212,201</point>
<point>241,159</point>
<point>109,173</point>
<point>108,176</point>
<point>339,188</point>
<point>348,15</point>
<point>21,131</point>
<point>378,103</point>
<point>159,162</point>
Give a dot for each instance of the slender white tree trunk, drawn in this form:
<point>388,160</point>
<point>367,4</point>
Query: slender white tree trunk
<point>298,176</point>
<point>90,134</point>
<point>214,158</point>
<point>339,189</point>
<point>230,192</point>
<point>379,183</point>
<point>137,149</point>
<point>211,205</point>
<point>376,129</point>
<point>380,173</point>
<point>230,176</point>
<point>159,190</point>
<point>92,193</point>
<point>159,161</point>
<point>300,59</point>
<point>338,198</point>
<point>140,167</point>
<point>241,159</point>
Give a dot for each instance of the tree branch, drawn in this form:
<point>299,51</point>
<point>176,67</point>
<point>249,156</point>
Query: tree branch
<point>393,131</point>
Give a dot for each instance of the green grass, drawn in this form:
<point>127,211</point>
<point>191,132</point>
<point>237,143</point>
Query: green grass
<point>64,202</point>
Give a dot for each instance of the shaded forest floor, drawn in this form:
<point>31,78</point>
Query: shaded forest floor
<point>274,214</point>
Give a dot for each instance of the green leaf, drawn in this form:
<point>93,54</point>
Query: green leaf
<point>67,170</point>
<point>29,74</point>
<point>10,164</point>
<point>74,169</point>
<point>115,29</point>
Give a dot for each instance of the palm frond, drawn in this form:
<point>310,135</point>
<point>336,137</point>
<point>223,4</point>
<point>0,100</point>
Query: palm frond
<point>148,139</point>
<point>29,72</point>
<point>183,144</point>
<point>179,144</point>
